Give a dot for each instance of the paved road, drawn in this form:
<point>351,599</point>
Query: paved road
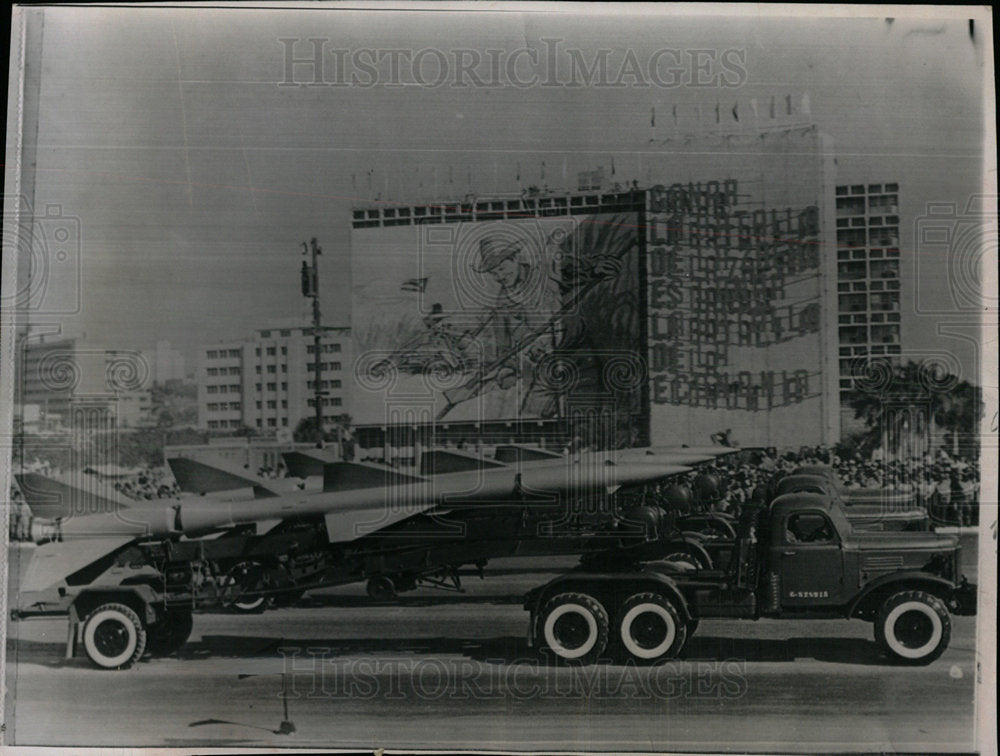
<point>443,670</point>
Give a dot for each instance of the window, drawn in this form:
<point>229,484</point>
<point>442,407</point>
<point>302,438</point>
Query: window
<point>310,349</point>
<point>258,405</point>
<point>284,404</point>
<point>234,405</point>
<point>212,354</point>
<point>286,333</point>
<point>334,366</point>
<point>213,371</point>
<point>257,369</point>
<point>272,387</point>
<point>885,334</point>
<point>284,421</point>
<point>284,350</point>
<point>853,302</point>
<point>854,335</point>
<point>234,388</point>
<point>809,527</point>
<point>271,422</point>
<point>284,386</point>
<point>234,371</point>
<point>335,384</point>
<point>234,352</point>
<point>271,404</point>
<point>259,386</point>
<point>851,271</point>
<point>213,424</point>
<point>213,406</point>
<point>332,348</point>
<point>272,369</point>
<point>259,422</point>
<point>212,389</point>
<point>257,351</point>
<point>271,351</point>
<point>265,334</point>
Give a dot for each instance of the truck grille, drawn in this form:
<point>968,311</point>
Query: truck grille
<point>882,563</point>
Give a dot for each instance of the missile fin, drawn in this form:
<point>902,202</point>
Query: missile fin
<point>350,476</point>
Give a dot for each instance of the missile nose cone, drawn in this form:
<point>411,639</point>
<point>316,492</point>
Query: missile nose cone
<point>44,531</point>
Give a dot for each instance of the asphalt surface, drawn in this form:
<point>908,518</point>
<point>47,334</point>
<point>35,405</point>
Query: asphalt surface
<point>454,671</point>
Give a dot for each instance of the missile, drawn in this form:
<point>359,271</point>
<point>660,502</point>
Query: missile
<point>351,513</point>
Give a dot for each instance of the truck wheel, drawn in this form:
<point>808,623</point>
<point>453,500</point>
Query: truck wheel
<point>575,626</point>
<point>113,636</point>
<point>170,633</point>
<point>913,626</point>
<point>650,628</point>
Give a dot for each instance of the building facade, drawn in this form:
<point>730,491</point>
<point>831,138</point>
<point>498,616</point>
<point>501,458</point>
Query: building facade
<point>267,383</point>
<point>53,373</point>
<point>868,281</point>
<point>703,303</point>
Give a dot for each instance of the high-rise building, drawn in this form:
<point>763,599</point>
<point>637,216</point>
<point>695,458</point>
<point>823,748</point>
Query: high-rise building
<point>868,278</point>
<point>267,382</point>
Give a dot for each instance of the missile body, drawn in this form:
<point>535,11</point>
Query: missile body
<point>351,514</point>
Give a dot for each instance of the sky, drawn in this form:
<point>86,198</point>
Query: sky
<point>179,146</point>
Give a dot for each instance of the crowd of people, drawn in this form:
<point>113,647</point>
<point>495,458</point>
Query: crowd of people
<point>148,483</point>
<point>946,488</point>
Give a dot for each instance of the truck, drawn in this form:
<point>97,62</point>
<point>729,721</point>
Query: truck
<point>797,558</point>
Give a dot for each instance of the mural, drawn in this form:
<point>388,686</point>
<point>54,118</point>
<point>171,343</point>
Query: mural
<point>498,320</point>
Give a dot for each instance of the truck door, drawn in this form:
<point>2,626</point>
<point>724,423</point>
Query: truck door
<point>812,569</point>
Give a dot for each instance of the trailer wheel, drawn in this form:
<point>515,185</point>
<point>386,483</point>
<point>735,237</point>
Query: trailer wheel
<point>913,626</point>
<point>113,636</point>
<point>170,633</point>
<point>650,628</point>
<point>245,588</point>
<point>575,626</point>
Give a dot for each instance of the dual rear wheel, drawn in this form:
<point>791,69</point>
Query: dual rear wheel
<point>647,627</point>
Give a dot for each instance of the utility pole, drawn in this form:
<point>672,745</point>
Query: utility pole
<point>310,288</point>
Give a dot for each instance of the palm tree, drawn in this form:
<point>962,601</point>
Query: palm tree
<point>959,411</point>
<point>889,398</point>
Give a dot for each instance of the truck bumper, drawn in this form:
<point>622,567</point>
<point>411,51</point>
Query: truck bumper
<point>964,599</point>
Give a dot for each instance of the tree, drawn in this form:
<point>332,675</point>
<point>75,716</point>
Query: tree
<point>882,390</point>
<point>305,432</point>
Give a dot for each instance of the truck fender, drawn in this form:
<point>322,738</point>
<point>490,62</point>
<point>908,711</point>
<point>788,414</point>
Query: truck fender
<point>140,597</point>
<point>693,542</point>
<point>906,580</point>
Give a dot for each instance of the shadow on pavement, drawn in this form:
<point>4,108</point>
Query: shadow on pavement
<point>500,650</point>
